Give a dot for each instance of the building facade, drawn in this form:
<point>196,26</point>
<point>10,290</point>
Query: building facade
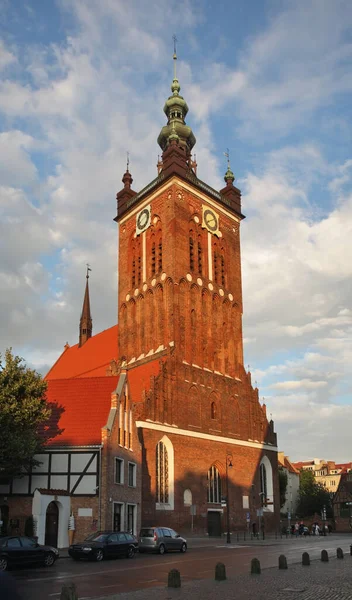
<point>172,397</point>
<point>326,472</point>
<point>289,508</point>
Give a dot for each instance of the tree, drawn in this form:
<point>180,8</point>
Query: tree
<point>24,415</point>
<point>283,480</point>
<point>313,496</point>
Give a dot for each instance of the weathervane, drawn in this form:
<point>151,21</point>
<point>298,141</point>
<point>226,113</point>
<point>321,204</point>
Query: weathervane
<point>128,159</point>
<point>227,154</point>
<point>88,269</point>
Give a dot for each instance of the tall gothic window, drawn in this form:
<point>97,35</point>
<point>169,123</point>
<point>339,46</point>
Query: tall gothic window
<point>214,485</point>
<point>200,265</point>
<point>162,474</point>
<point>153,259</point>
<point>219,265</point>
<point>263,485</point>
<point>136,263</point>
<point>191,252</point>
<point>160,256</point>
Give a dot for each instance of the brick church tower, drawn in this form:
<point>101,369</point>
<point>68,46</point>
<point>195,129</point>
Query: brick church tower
<point>200,423</point>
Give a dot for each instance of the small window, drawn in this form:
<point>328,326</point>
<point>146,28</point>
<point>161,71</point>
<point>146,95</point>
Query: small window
<point>28,542</point>
<point>132,474</point>
<point>119,470</point>
<point>167,533</point>
<point>147,533</point>
<point>13,543</point>
<point>213,410</point>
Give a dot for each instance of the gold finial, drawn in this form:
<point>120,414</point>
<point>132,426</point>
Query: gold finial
<point>175,55</point>
<point>88,269</point>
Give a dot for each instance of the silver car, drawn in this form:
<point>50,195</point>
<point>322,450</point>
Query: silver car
<point>161,539</point>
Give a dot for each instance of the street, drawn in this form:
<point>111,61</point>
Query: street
<point>146,571</point>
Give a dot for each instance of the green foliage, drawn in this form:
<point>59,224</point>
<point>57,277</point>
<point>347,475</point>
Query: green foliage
<point>23,415</point>
<point>313,496</point>
<point>283,486</point>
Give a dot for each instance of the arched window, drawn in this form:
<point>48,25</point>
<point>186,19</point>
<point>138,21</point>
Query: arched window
<point>263,485</point>
<point>187,498</point>
<point>160,255</point>
<point>191,251</point>
<point>162,474</point>
<point>136,263</point>
<point>153,258</point>
<point>213,410</point>
<point>214,485</point>
<point>219,264</point>
<point>200,256</point>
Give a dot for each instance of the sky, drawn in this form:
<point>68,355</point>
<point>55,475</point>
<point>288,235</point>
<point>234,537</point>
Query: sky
<point>82,82</point>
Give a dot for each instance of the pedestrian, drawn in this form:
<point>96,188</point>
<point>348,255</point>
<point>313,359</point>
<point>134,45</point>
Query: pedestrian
<point>296,529</point>
<point>317,529</point>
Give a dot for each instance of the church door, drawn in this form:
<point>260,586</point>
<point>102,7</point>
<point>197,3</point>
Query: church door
<point>52,524</point>
<point>214,523</point>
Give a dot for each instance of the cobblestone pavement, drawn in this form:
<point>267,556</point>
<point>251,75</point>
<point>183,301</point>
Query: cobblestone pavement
<point>319,581</point>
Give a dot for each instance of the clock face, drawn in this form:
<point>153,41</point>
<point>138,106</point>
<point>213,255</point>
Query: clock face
<point>143,219</point>
<point>210,220</point>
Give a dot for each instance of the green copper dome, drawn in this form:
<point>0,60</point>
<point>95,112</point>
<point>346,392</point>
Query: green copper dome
<point>176,110</point>
<point>229,175</point>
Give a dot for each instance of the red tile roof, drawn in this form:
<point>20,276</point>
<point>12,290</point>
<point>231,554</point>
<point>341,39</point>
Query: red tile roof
<point>139,378</point>
<point>90,360</point>
<point>86,403</point>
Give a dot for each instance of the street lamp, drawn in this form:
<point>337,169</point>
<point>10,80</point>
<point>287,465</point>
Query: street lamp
<point>228,466</point>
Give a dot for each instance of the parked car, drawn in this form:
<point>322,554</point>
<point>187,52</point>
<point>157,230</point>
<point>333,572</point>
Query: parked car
<point>161,539</point>
<point>22,550</point>
<point>105,544</point>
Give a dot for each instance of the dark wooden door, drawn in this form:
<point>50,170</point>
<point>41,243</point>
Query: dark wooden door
<point>52,524</point>
<point>214,523</point>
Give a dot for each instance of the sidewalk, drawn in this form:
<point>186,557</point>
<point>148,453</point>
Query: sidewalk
<point>320,581</point>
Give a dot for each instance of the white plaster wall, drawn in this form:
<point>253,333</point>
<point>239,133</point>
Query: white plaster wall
<point>39,507</point>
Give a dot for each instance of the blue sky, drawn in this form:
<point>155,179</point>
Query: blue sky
<point>82,82</point>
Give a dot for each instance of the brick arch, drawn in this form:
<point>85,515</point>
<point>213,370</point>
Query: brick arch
<point>194,412</point>
<point>235,414</point>
<point>213,401</point>
<point>135,261</point>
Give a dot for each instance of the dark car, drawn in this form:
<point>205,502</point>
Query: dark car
<point>161,539</point>
<point>105,544</point>
<point>18,550</point>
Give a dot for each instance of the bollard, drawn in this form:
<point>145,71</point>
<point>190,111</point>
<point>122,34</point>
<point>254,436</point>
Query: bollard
<point>69,592</point>
<point>255,566</point>
<point>282,562</point>
<point>324,556</point>
<point>174,579</point>
<point>305,559</point>
<point>351,549</point>
<point>220,572</point>
<point>339,553</point>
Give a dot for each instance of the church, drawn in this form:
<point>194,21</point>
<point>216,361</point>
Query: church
<point>160,422</point>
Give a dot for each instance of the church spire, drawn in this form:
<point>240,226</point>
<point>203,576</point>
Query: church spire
<point>176,110</point>
<point>85,323</point>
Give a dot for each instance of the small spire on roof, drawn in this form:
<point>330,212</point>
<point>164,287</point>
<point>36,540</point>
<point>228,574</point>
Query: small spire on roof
<point>85,323</point>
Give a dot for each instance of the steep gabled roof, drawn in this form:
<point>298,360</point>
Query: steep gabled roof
<point>85,402</point>
<point>139,378</point>
<point>286,463</point>
<point>90,360</point>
